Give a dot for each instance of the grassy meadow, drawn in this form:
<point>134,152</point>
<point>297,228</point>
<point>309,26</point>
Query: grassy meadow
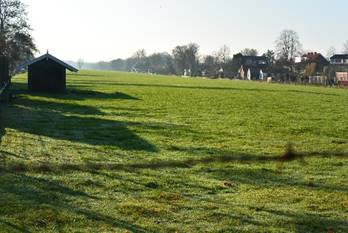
<point>135,153</point>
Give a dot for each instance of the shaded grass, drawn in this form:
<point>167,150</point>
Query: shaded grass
<point>128,152</point>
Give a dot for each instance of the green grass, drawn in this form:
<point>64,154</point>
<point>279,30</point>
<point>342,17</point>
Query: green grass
<point>126,152</point>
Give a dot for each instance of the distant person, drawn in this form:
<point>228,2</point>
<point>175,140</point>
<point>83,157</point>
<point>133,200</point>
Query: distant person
<point>249,75</point>
<point>185,72</point>
<point>241,73</point>
<point>261,75</point>
<point>221,72</point>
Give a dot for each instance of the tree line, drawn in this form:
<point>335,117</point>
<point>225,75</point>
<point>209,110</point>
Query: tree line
<point>187,60</point>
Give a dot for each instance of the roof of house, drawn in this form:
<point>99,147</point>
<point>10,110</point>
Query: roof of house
<point>255,57</point>
<point>315,57</point>
<point>339,56</point>
<point>239,55</point>
<point>49,56</point>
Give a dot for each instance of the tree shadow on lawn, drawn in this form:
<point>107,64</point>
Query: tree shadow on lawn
<point>73,93</point>
<point>53,120</point>
<point>260,176</point>
<point>310,222</point>
<point>29,203</point>
<point>219,166</point>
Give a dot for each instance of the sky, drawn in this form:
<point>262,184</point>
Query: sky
<point>104,30</point>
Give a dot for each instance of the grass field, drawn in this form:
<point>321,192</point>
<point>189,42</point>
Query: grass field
<point>134,153</point>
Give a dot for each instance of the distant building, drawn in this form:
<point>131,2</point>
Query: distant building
<point>339,59</point>
<point>339,65</point>
<point>315,59</point>
<point>254,63</point>
<point>48,74</point>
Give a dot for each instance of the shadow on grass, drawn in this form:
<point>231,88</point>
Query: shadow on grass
<point>54,119</point>
<point>260,177</point>
<point>311,222</point>
<point>8,226</point>
<point>73,94</point>
<point>37,203</point>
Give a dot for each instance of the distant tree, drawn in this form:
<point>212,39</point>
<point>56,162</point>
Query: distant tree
<point>80,63</point>
<point>140,54</point>
<point>16,42</point>
<point>103,65</point>
<point>288,46</point>
<point>270,56</point>
<point>210,65</point>
<point>179,54</point>
<point>345,47</point>
<point>118,64</point>
<point>249,52</point>
<point>223,54</point>
<point>330,52</point>
<point>186,57</point>
<point>193,57</point>
<point>141,62</point>
<point>161,63</point>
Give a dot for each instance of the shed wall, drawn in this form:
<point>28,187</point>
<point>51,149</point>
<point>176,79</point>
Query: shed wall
<point>47,76</point>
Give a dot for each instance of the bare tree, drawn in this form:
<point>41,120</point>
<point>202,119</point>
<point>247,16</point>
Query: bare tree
<point>80,63</point>
<point>330,52</point>
<point>140,54</point>
<point>141,61</point>
<point>288,45</point>
<point>210,65</point>
<point>345,47</point>
<point>186,57</point>
<point>270,56</point>
<point>249,52</point>
<point>223,54</point>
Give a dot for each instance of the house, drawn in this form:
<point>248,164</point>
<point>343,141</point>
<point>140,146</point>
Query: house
<point>48,74</point>
<point>317,59</point>
<point>313,68</point>
<point>339,59</point>
<point>339,65</point>
<point>254,63</point>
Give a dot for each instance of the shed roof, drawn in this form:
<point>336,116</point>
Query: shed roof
<point>49,56</point>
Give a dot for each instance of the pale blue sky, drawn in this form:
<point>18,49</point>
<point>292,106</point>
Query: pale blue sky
<point>108,29</point>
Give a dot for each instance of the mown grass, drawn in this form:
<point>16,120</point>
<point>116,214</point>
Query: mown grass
<point>127,152</point>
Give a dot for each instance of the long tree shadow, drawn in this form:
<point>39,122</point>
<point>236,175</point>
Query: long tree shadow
<point>311,222</point>
<point>36,203</point>
<point>60,121</point>
<point>73,93</point>
<point>211,167</point>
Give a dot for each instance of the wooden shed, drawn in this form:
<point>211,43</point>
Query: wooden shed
<point>48,74</point>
